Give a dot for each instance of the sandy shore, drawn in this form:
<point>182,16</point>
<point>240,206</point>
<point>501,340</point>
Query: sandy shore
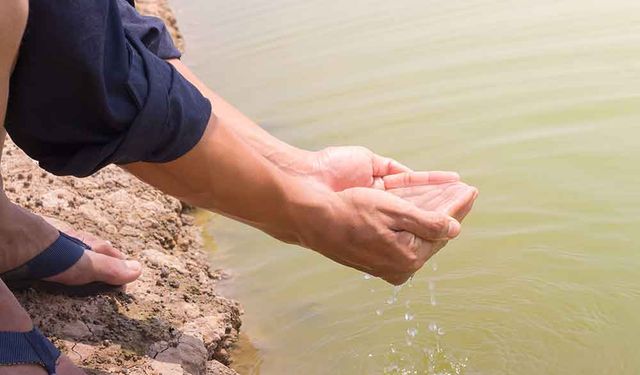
<point>170,321</point>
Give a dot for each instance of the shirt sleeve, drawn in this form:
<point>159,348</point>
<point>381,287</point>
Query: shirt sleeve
<point>90,89</point>
<point>152,31</point>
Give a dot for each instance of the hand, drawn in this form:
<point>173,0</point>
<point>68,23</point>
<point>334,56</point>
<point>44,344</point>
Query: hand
<point>340,168</point>
<point>375,232</point>
<point>454,199</point>
<point>291,194</point>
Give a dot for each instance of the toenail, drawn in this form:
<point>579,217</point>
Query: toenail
<point>133,265</point>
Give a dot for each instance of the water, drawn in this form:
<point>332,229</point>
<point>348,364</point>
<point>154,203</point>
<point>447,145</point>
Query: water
<point>535,102</point>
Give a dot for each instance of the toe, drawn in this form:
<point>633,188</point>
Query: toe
<point>106,248</point>
<point>98,245</point>
<point>112,270</point>
<point>94,266</point>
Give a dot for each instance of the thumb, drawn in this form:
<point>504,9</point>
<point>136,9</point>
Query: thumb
<point>383,166</point>
<point>428,225</point>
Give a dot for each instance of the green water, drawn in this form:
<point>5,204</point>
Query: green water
<point>535,102</point>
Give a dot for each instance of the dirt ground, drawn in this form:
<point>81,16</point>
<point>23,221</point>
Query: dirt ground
<point>171,321</point>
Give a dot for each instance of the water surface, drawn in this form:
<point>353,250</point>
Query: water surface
<point>535,102</point>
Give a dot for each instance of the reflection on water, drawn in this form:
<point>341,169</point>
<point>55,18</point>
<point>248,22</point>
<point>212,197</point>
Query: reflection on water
<point>535,102</point>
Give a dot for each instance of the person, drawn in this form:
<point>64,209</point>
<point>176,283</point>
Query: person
<point>94,83</point>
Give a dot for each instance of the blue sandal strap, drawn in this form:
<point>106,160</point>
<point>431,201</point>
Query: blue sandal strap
<point>57,258</point>
<point>28,348</point>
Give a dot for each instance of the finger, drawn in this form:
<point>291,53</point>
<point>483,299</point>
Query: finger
<point>453,199</point>
<point>397,279</point>
<point>425,250</point>
<point>465,211</point>
<point>383,166</point>
<point>428,249</point>
<point>408,179</point>
<point>378,183</point>
<point>428,225</point>
<point>462,210</point>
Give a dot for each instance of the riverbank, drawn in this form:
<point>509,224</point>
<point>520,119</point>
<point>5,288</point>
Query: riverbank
<point>170,321</point>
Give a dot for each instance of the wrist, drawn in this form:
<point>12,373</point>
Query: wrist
<point>311,209</point>
<point>291,160</point>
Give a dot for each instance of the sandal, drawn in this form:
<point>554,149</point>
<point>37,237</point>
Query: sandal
<point>57,258</point>
<point>28,348</point>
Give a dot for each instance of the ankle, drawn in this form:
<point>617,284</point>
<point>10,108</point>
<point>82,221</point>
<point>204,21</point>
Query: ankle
<point>23,235</point>
<point>13,318</point>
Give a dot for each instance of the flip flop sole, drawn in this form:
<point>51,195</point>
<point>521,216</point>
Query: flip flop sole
<point>57,258</point>
<point>54,288</point>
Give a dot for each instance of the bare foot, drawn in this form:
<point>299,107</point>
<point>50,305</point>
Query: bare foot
<point>23,235</point>
<point>13,318</point>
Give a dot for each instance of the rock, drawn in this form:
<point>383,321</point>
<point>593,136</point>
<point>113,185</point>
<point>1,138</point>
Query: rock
<point>90,212</point>
<point>164,272</point>
<point>208,329</point>
<point>217,368</point>
<point>76,330</point>
<point>174,284</point>
<point>165,368</point>
<point>78,352</point>
<point>160,259</point>
<point>190,353</point>
<point>191,311</point>
<point>157,347</point>
<point>95,329</point>
<point>121,199</point>
<point>55,199</point>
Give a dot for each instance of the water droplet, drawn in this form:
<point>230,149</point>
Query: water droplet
<point>408,316</point>
<point>370,355</point>
<point>394,296</point>
<point>434,266</point>
<point>391,300</point>
<point>432,285</point>
<point>440,331</point>
<point>407,304</point>
<point>433,327</point>
<point>379,312</point>
<point>433,300</point>
<point>367,276</point>
<point>412,332</point>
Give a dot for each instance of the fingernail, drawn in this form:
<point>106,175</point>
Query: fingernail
<point>454,176</point>
<point>454,228</point>
<point>133,265</point>
<point>476,192</point>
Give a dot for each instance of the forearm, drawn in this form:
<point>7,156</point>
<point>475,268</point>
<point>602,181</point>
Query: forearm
<point>259,139</point>
<point>231,171</point>
<point>226,175</point>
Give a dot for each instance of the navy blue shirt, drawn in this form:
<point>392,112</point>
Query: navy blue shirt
<point>91,87</point>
